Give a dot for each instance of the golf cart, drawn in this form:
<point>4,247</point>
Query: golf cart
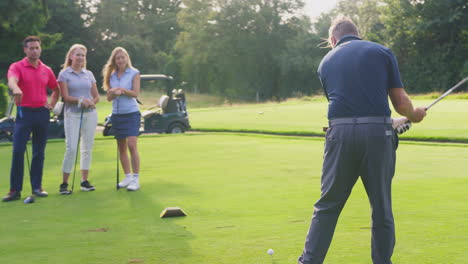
<point>7,125</point>
<point>57,124</point>
<point>170,117</point>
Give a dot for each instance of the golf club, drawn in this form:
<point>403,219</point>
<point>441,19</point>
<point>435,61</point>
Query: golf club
<point>10,107</point>
<point>118,169</point>
<point>402,124</point>
<point>20,113</point>
<point>449,91</point>
<point>118,154</point>
<point>76,153</point>
<point>29,199</point>
<point>27,159</point>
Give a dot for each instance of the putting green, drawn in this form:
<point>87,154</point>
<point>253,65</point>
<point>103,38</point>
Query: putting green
<point>243,195</point>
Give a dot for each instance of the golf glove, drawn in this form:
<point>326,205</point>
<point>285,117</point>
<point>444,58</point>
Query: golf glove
<point>403,128</point>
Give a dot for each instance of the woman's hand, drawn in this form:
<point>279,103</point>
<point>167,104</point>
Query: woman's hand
<point>88,103</point>
<point>117,91</point>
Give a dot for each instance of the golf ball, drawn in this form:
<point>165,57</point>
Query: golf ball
<point>270,252</point>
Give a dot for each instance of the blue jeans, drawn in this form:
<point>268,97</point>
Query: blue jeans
<point>35,120</point>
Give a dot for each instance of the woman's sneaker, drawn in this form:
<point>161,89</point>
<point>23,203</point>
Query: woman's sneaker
<point>126,182</point>
<point>134,185</point>
<point>64,189</point>
<point>86,186</point>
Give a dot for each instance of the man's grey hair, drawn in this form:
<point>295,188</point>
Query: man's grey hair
<point>340,27</point>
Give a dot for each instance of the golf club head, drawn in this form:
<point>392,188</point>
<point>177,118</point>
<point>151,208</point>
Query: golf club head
<point>29,200</point>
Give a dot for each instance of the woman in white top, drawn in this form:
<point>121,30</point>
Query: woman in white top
<point>80,94</point>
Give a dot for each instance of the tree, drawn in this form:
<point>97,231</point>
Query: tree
<point>65,19</point>
<point>430,39</point>
<point>236,48</point>
<point>146,28</point>
<point>22,18</point>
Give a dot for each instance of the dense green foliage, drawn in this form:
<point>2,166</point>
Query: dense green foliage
<point>3,99</point>
<point>241,49</point>
<point>251,49</point>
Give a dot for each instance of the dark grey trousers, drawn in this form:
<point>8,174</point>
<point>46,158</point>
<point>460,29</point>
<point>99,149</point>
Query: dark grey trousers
<point>353,150</point>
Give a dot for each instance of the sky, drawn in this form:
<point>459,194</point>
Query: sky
<point>314,8</point>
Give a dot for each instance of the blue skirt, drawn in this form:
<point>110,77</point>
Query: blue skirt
<point>126,125</point>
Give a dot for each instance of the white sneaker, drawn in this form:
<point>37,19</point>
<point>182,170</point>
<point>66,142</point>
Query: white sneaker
<point>134,185</point>
<point>126,182</point>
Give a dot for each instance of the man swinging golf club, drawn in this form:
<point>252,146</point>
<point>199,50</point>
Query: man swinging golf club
<point>357,77</point>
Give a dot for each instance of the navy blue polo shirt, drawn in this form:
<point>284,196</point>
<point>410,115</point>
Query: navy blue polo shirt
<point>356,76</point>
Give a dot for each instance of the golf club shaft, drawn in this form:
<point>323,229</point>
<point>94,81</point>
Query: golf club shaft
<point>77,148</point>
<point>118,169</point>
<point>10,107</point>
<point>449,91</point>
<point>27,159</point>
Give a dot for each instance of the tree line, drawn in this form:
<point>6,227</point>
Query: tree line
<point>240,49</point>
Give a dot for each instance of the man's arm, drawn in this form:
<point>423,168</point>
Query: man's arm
<point>403,105</point>
<point>15,90</point>
<point>54,98</point>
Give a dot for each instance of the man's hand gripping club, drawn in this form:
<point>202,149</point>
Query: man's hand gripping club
<point>403,124</point>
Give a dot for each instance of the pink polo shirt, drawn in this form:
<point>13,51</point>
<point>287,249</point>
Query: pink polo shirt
<point>33,82</point>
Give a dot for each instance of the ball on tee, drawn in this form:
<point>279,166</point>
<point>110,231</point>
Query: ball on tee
<point>270,252</point>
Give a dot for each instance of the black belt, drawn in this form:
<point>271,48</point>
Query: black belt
<point>33,109</point>
<point>360,120</point>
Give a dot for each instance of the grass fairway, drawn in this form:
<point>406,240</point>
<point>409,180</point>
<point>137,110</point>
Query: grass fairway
<point>445,121</point>
<point>243,195</point>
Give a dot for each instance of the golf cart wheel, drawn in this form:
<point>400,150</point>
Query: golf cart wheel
<point>176,128</point>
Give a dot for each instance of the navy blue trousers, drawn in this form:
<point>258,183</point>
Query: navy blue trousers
<point>37,123</point>
<point>353,150</point>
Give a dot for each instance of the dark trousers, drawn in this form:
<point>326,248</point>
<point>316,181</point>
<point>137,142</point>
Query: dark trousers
<point>37,122</point>
<point>353,150</point>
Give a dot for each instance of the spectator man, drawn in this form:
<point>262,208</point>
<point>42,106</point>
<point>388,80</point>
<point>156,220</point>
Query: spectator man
<point>28,80</point>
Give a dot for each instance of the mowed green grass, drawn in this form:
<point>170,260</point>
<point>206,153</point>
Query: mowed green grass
<point>445,121</point>
<point>243,195</point>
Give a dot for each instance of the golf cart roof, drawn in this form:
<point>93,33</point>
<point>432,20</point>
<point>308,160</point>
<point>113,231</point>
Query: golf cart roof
<point>156,77</point>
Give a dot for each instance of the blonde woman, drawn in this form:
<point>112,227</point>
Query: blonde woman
<point>80,94</point>
<point>122,83</point>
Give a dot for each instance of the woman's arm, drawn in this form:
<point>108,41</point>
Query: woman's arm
<point>66,97</point>
<point>95,93</point>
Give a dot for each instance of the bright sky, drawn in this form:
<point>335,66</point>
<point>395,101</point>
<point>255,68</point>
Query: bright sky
<point>314,8</point>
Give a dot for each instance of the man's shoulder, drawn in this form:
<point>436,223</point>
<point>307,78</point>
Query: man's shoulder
<point>44,66</point>
<point>375,45</point>
<point>17,63</point>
